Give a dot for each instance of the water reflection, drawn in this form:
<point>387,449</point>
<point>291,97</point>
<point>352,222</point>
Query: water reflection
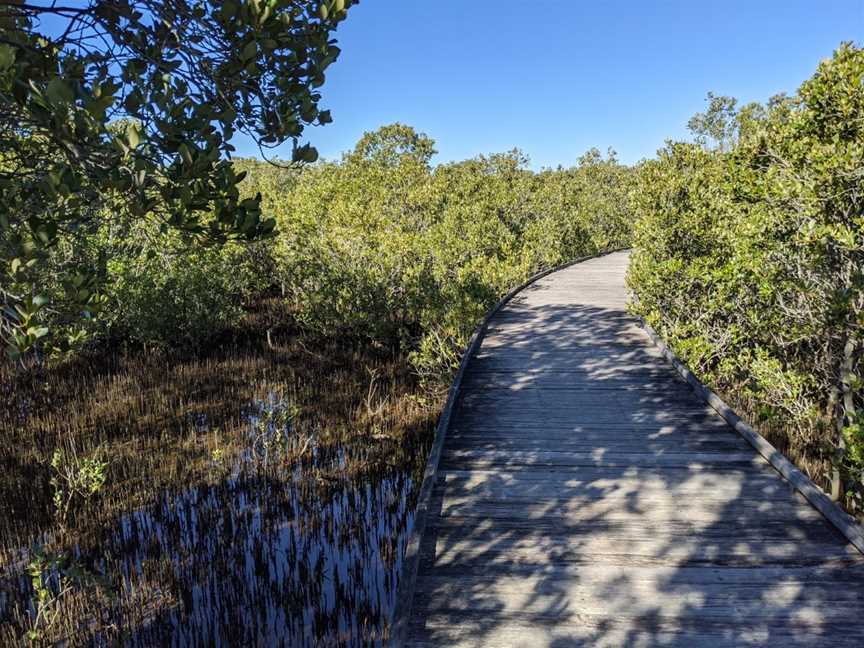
<point>283,545</point>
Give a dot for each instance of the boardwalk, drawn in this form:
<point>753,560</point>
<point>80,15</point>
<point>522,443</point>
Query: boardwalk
<point>585,496</point>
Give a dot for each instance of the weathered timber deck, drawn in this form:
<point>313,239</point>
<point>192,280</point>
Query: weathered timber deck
<point>586,496</point>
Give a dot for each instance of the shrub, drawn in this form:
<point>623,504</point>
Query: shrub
<point>166,297</point>
<point>751,263</point>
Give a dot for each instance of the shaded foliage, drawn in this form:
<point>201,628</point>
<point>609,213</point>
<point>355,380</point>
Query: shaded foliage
<point>125,113</point>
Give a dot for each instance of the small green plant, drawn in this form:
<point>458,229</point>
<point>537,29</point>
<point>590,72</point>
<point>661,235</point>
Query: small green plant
<point>217,454</point>
<point>273,430</point>
<point>75,479</point>
<point>54,577</point>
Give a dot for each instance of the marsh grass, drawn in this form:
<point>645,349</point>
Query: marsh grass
<point>203,536</point>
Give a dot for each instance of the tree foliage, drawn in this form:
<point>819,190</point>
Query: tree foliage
<point>383,246</point>
<point>717,125</point>
<point>126,111</point>
<point>751,262</point>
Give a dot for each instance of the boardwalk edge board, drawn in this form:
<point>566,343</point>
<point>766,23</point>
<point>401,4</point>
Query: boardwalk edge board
<point>844,522</point>
<point>411,560</point>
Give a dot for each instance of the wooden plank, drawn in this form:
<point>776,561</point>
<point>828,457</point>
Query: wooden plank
<point>569,487</point>
<point>600,436</point>
<point>527,551</point>
<point>595,415</point>
<point>577,356</point>
<point>559,530</point>
<point>542,597</point>
<point>721,582</point>
<point>606,474</point>
<point>613,631</point>
<point>646,429</point>
<point>702,512</point>
<point>847,525</point>
<point>571,443</point>
<point>608,374</point>
<point>637,401</point>
<point>759,466</point>
<point>566,382</point>
<point>475,458</point>
<point>612,480</point>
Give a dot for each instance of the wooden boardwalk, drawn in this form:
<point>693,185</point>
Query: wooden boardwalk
<point>586,497</point>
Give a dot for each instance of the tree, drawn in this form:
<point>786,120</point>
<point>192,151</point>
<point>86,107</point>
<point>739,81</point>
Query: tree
<point>394,144</point>
<point>718,124</point>
<point>126,111</point>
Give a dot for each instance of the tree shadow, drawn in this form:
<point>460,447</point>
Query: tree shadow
<point>586,496</point>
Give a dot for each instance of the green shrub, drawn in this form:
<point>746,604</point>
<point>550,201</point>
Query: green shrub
<point>751,262</point>
<point>382,246</point>
<point>171,298</point>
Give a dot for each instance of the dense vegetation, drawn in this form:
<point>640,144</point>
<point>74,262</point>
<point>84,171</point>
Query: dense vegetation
<point>226,349</point>
<point>378,247</point>
<point>749,260</point>
<point>117,115</point>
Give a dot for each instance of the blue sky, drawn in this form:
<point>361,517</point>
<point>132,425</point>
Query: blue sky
<point>556,77</point>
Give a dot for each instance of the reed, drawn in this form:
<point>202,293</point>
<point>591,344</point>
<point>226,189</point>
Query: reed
<point>261,489</point>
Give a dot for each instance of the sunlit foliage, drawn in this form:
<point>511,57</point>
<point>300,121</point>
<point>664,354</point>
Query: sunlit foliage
<point>751,262</point>
<point>383,246</point>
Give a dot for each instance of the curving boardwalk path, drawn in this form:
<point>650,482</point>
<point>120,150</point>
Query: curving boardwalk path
<point>586,496</point>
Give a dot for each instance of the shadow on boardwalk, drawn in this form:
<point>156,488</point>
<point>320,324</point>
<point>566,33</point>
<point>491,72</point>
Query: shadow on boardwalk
<point>586,496</point>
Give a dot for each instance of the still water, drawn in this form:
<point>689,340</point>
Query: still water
<point>289,543</point>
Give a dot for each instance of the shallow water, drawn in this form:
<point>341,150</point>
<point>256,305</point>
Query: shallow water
<point>290,541</point>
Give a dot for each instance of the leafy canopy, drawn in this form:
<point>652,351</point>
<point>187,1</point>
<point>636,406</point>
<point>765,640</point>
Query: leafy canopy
<point>750,260</point>
<point>126,109</point>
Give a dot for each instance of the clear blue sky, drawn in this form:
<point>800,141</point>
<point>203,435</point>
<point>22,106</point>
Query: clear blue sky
<point>556,77</point>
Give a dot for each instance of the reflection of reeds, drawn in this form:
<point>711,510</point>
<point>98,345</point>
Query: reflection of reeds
<point>199,537</point>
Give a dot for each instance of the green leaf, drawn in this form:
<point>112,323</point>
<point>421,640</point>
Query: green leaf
<point>249,51</point>
<point>134,135</point>
<point>38,332</point>
<point>59,91</point>
<point>305,153</point>
<point>7,57</point>
<point>40,300</point>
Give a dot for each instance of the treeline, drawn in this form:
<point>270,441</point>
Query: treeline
<point>750,261</point>
<point>385,247</point>
<point>379,246</point>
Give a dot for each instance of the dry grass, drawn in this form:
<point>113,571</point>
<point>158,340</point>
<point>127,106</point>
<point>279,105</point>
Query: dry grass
<point>296,461</point>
